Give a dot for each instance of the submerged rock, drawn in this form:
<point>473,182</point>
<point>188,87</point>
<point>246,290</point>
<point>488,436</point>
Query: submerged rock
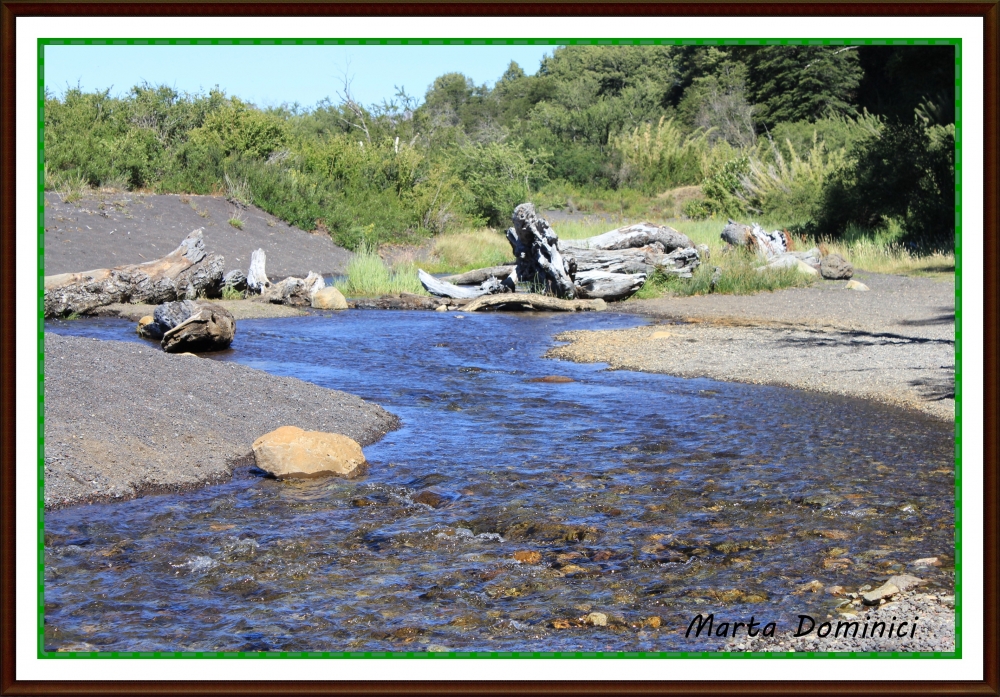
<point>291,452</point>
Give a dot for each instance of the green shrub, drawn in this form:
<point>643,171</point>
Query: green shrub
<point>496,177</point>
<point>906,173</point>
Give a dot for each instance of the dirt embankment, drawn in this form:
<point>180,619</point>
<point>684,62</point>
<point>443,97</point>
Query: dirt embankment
<point>122,419</point>
<point>894,343</point>
<point>111,229</point>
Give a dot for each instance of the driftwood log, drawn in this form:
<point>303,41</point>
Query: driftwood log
<point>631,237</point>
<point>753,236</point>
<point>210,328</point>
<point>294,291</point>
<point>186,272</point>
<point>608,286</point>
<point>443,289</point>
<point>612,266</point>
<point>532,301</point>
<point>477,276</point>
<point>537,255</point>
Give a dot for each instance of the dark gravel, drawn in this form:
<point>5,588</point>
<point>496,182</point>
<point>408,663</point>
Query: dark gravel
<point>894,343</point>
<point>111,229</point>
<point>122,419</point>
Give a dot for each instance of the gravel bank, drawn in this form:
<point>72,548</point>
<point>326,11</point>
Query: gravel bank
<point>934,631</point>
<point>122,419</point>
<point>894,344</point>
<point>241,309</point>
<point>112,229</point>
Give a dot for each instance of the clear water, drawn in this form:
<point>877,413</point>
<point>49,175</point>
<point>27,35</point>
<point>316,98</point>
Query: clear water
<point>644,496</point>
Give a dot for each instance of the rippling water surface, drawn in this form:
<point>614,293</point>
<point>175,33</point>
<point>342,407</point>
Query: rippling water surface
<point>505,510</point>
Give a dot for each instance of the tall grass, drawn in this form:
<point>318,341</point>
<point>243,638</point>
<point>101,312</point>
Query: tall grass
<point>467,250</point>
<point>368,276</point>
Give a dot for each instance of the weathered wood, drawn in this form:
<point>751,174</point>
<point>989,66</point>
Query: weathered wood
<point>631,237</point>
<point>532,301</point>
<point>537,255</point>
<point>211,328</point>
<point>443,289</point>
<point>257,281</point>
<point>294,291</point>
<point>235,279</point>
<point>753,236</point>
<point>405,301</point>
<point>608,286</point>
<point>477,276</point>
<point>645,260</point>
<point>186,272</point>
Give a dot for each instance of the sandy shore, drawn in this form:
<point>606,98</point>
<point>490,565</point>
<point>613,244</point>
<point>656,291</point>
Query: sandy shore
<point>894,343</point>
<point>122,419</point>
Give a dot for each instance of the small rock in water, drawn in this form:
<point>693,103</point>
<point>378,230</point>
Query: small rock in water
<point>811,587</point>
<point>441,308</point>
<point>653,622</point>
<point>552,378</point>
<point>526,556</point>
<point>149,329</point>
<point>597,619</point>
<point>905,582</point>
<point>431,498</point>
<point>856,285</point>
<point>886,590</point>
<point>927,561</point>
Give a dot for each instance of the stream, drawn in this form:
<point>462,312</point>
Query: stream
<point>508,514</point>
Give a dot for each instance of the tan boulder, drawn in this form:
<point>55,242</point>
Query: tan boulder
<point>291,452</point>
<point>329,298</point>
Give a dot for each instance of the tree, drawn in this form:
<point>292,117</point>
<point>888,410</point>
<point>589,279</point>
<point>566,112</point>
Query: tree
<point>795,83</point>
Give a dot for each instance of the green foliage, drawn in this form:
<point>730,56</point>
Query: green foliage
<point>763,131</point>
<point>722,189</point>
<point>496,176</point>
<point>907,173</point>
<point>368,276</point>
<point>230,293</point>
<point>795,83</point>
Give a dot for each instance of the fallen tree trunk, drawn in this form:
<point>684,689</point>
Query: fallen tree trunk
<point>608,286</point>
<point>536,249</point>
<point>532,301</point>
<point>631,237</point>
<point>186,272</point>
<point>477,276</point>
<point>443,289</point>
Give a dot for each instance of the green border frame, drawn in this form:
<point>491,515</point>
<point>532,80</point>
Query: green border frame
<point>43,654</point>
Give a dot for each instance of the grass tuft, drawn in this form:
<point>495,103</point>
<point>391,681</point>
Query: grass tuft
<point>467,250</point>
<point>368,276</point>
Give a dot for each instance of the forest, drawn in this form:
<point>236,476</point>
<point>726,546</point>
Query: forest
<point>829,141</point>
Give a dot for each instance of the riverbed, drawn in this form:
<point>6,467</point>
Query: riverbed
<point>526,504</point>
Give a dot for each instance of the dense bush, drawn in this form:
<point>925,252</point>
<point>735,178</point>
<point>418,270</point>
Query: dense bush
<point>906,173</point>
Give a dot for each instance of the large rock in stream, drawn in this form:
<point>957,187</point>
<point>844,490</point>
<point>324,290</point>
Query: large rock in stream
<point>291,452</point>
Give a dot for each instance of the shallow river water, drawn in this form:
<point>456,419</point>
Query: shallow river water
<point>506,511</point>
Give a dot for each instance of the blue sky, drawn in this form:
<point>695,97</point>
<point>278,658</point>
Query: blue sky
<point>272,75</point>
